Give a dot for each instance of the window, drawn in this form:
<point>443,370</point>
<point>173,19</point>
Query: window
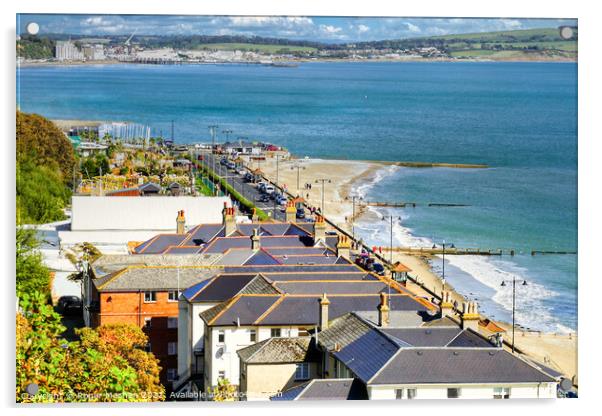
<point>398,394</point>
<point>275,332</point>
<point>148,322</point>
<point>501,392</point>
<point>411,394</point>
<point>172,348</point>
<point>453,393</point>
<point>252,335</point>
<point>173,295</point>
<point>221,374</point>
<point>221,336</point>
<point>172,322</point>
<point>303,332</point>
<point>147,347</point>
<point>302,371</point>
<point>171,374</point>
<point>150,296</point>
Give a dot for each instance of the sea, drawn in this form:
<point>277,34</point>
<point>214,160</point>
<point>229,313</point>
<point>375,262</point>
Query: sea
<point>518,118</point>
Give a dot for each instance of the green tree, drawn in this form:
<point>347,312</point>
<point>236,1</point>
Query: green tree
<point>41,193</point>
<point>224,391</point>
<point>32,274</point>
<point>40,140</point>
<point>51,369</point>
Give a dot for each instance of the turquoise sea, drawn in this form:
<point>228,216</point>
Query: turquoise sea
<point>518,118</point>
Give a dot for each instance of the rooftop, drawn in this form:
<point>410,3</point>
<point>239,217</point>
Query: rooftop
<point>280,350</point>
<point>326,389</point>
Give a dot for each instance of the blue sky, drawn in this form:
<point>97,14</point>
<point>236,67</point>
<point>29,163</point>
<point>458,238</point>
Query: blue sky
<point>323,29</point>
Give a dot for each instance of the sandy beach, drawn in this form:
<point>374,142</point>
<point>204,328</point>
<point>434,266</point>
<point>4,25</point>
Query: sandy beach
<point>558,351</point>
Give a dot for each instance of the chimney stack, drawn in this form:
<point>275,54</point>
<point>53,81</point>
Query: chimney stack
<point>255,243</point>
<point>291,212</point>
<point>447,306</point>
<point>470,316</point>
<point>344,247</point>
<point>319,230</point>
<point>324,302</point>
<point>383,310</point>
<point>180,223</point>
<point>229,220</point>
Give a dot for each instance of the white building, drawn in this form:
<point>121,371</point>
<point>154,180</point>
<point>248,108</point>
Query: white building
<point>67,51</point>
<point>111,222</point>
<point>94,52</point>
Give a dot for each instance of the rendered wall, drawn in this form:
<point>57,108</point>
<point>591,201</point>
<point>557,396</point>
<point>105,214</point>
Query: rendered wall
<point>143,213</point>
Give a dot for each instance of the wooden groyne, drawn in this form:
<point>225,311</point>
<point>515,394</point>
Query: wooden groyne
<point>410,204</point>
<point>471,251</point>
<point>430,164</point>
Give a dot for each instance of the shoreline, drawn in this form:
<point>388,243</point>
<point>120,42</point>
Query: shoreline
<point>32,64</point>
<point>554,349</point>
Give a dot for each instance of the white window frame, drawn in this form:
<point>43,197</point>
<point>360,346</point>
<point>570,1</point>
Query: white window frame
<point>221,334</point>
<point>169,293</point>
<point>252,335</point>
<point>302,372</point>
<point>414,394</point>
<point>272,332</point>
<point>399,394</point>
<point>172,322</point>
<point>152,294</point>
<point>501,392</point>
<point>221,375</point>
<point>172,348</point>
<point>148,322</point>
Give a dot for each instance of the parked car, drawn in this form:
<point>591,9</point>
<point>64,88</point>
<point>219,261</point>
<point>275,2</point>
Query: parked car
<point>378,268</point>
<point>269,189</point>
<point>69,304</point>
<point>264,198</point>
<point>300,213</point>
<point>223,161</point>
<point>248,177</point>
<point>282,200</point>
<point>231,165</point>
<point>241,172</point>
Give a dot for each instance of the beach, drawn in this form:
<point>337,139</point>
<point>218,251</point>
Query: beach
<point>556,350</point>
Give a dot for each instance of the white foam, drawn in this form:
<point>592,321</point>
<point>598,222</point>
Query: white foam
<point>531,310</point>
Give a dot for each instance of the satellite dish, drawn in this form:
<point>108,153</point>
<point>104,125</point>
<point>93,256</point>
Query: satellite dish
<point>566,384</point>
<point>219,353</point>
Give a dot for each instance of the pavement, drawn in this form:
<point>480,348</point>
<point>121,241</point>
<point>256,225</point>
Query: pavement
<point>246,189</point>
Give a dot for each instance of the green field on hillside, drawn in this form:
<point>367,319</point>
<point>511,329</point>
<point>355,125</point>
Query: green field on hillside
<point>255,47</point>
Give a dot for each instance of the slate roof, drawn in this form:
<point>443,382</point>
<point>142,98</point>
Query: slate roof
<point>182,250</point>
<point>243,309</point>
<point>354,275</point>
<point>159,243</point>
<point>109,263</point>
<point>134,278</point>
<point>261,257</point>
<point>303,268</point>
<point>280,350</point>
<point>318,287</point>
<point>457,365</point>
<point>424,337</point>
<point>303,259</point>
<point>326,389</point>
<point>224,287</point>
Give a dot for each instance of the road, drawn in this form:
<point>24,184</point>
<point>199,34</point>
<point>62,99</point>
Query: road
<point>246,189</point>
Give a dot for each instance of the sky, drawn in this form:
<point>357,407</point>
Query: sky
<point>321,29</point>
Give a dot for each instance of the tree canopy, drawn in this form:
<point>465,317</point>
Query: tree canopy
<point>107,364</point>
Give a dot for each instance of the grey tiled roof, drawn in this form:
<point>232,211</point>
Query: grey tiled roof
<point>343,287</point>
<point>457,365</point>
<point>326,389</point>
<point>325,268</point>
<point>353,275</point>
<point>223,287</point>
<point>331,389</point>
<point>424,337</point>
<point>469,339</point>
<point>280,350</point>
<point>135,278</point>
<point>303,259</point>
<point>236,257</point>
<point>183,250</point>
<point>110,263</point>
<point>245,309</point>
<point>160,243</point>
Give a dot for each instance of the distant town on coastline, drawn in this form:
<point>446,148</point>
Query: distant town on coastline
<point>529,44</point>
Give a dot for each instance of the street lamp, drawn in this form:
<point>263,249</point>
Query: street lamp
<point>353,199</point>
<point>504,283</point>
<point>298,167</point>
<point>390,218</point>
<point>323,181</point>
<point>443,245</point>
<point>212,130</point>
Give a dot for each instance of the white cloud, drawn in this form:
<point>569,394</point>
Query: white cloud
<point>413,28</point>
<point>362,28</point>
